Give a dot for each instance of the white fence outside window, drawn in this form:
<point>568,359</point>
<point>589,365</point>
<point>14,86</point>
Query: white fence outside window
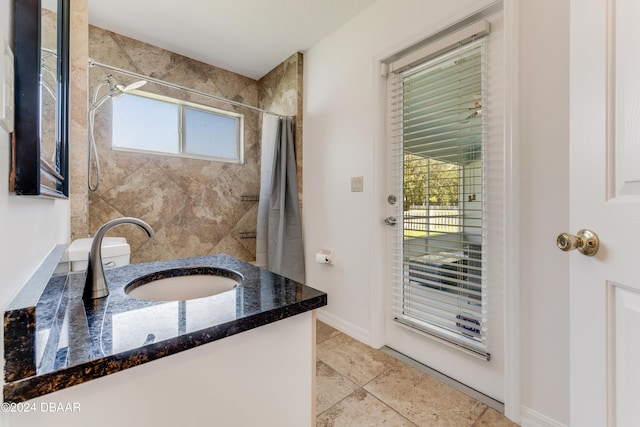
<point>433,219</point>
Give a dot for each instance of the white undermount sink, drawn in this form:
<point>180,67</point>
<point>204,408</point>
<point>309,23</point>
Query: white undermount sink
<point>183,284</point>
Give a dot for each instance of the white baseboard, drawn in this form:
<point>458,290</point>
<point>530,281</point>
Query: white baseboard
<point>350,329</point>
<point>531,418</point>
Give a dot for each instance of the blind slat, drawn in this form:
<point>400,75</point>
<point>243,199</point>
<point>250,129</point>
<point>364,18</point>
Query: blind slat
<point>463,85</point>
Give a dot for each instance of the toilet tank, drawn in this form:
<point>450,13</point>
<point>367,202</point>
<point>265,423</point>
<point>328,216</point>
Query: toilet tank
<point>115,252</point>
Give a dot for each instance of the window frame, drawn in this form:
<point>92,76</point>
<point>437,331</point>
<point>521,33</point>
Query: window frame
<point>182,106</point>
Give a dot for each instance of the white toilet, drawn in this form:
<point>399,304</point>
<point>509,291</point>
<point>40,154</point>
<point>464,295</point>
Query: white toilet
<point>115,253</point>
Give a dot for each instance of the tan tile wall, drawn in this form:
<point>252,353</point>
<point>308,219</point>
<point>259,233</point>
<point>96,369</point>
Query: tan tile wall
<point>195,206</point>
<point>281,93</point>
<point>78,192</point>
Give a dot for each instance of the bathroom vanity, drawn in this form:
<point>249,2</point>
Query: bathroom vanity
<point>242,357</point>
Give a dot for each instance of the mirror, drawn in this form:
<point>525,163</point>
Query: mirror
<point>40,143</point>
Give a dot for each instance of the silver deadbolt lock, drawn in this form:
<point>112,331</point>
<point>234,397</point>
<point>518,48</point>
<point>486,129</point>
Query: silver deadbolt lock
<point>585,241</point>
<point>392,199</point>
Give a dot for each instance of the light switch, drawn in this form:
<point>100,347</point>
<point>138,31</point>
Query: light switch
<point>357,184</point>
<point>7,100</point>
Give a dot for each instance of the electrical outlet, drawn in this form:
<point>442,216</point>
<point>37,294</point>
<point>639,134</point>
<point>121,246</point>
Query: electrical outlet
<point>357,184</point>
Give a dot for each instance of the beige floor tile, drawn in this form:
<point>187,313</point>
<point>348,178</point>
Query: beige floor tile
<point>324,332</point>
<point>331,387</point>
<point>356,361</point>
<point>493,418</point>
<point>361,409</point>
<point>424,400</point>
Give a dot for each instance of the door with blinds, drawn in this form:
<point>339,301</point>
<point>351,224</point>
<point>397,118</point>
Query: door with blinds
<point>445,170</point>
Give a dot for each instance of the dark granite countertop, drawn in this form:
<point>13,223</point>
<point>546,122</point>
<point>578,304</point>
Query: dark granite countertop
<point>62,341</point>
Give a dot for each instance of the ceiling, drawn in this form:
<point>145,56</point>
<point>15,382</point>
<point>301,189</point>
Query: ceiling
<point>248,37</point>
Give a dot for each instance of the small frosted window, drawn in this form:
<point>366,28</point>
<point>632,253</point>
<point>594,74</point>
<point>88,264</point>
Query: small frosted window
<point>210,134</point>
<point>145,124</point>
<point>173,127</point>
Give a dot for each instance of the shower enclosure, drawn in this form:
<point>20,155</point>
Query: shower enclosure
<point>197,206</point>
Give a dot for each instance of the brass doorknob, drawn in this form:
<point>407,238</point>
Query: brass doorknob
<point>585,241</point>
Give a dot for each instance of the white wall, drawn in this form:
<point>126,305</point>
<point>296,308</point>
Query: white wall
<point>341,136</point>
<point>544,76</point>
<point>29,227</point>
<point>341,140</point>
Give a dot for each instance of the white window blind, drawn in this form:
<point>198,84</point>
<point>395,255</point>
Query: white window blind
<point>439,143</point>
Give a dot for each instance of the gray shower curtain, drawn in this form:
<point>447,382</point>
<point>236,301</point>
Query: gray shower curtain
<point>284,234</point>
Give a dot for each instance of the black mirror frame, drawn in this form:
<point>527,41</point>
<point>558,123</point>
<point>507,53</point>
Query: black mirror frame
<point>27,165</point>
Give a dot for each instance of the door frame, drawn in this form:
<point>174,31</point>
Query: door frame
<point>511,254</point>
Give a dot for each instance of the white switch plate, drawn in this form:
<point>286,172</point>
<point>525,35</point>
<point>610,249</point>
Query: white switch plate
<point>357,184</point>
<point>7,100</point>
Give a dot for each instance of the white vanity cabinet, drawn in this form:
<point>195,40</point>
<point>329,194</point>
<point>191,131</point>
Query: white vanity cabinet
<point>261,377</point>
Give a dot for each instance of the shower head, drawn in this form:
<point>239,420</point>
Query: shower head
<point>132,86</point>
<point>117,91</point>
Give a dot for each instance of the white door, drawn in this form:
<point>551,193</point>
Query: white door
<point>435,313</point>
<point>605,197</point>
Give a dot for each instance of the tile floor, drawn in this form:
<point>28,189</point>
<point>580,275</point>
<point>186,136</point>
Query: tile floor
<point>358,386</point>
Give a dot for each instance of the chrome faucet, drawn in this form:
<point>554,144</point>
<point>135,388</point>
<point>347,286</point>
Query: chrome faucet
<point>95,285</point>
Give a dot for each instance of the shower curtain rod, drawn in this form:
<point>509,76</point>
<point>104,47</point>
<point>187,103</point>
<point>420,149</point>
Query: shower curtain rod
<point>93,63</point>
